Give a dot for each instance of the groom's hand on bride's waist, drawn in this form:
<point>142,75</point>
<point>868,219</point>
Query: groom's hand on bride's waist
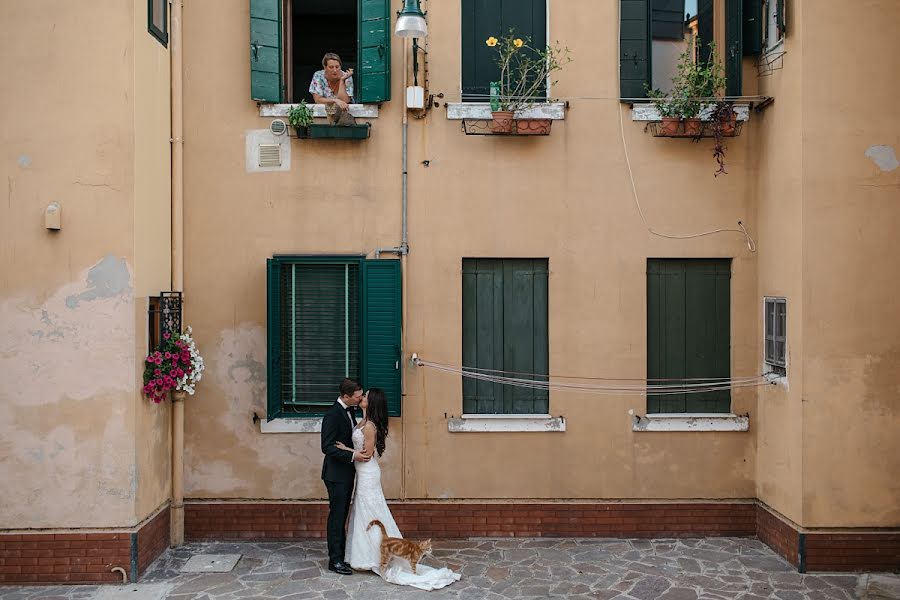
<point>361,457</point>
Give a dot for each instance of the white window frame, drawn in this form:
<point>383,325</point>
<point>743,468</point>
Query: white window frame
<point>771,363</point>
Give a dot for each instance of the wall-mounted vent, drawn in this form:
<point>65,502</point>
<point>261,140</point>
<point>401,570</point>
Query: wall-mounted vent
<point>270,155</point>
<point>278,127</point>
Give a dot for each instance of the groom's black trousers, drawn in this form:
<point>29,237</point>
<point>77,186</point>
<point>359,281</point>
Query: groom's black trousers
<point>339,495</point>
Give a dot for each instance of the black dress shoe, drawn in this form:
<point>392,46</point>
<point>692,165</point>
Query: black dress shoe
<point>341,568</point>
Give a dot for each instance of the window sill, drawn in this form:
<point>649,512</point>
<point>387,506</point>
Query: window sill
<point>308,425</point>
<point>691,422</point>
<point>365,111</point>
<point>505,423</point>
<point>482,111</point>
<point>648,112</point>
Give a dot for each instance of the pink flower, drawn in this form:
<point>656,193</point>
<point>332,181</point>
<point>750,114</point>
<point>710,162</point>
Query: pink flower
<point>168,355</point>
<point>167,335</point>
<point>157,372</point>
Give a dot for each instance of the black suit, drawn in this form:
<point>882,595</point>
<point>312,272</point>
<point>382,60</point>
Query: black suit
<point>338,473</point>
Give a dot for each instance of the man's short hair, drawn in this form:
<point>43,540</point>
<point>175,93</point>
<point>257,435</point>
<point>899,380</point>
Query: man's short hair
<point>349,386</point>
<point>331,56</point>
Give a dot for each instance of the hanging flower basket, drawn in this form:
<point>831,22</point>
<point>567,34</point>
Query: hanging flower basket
<point>176,366</point>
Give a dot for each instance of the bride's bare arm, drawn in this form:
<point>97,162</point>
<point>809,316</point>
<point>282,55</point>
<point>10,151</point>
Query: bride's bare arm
<point>369,439</point>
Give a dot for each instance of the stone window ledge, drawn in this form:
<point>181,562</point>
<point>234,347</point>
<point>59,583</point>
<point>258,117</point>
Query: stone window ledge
<point>482,111</point>
<point>648,112</point>
<point>505,423</point>
<point>691,422</point>
<point>310,425</point>
<point>365,111</point>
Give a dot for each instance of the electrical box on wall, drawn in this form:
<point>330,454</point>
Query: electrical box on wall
<point>415,96</point>
<point>53,216</point>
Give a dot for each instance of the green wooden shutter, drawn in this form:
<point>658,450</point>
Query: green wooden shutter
<point>525,339</point>
<point>373,75</point>
<point>321,323</point>
<point>734,50</point>
<point>688,330</point>
<point>753,20</point>
<point>381,329</point>
<point>634,44</point>
<point>704,28</point>
<point>668,20</point>
<point>505,309</point>
<point>273,339</point>
<point>482,19</point>
<point>780,17</point>
<point>265,50</point>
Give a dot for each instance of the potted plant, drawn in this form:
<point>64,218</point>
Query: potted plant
<point>524,73</point>
<point>300,117</point>
<point>176,366</point>
<point>669,111</point>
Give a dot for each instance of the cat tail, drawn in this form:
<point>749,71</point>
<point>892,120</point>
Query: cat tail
<point>380,525</point>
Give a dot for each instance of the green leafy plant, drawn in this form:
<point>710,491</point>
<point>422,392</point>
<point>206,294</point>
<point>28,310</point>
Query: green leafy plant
<point>694,85</point>
<point>300,115</point>
<point>524,70</point>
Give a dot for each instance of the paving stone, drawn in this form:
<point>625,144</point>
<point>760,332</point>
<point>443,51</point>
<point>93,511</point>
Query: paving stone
<point>679,594</point>
<point>649,588</point>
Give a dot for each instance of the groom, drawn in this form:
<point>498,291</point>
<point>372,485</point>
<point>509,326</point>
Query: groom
<point>338,471</point>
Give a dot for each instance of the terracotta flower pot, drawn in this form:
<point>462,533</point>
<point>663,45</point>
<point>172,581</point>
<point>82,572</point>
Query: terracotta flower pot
<point>502,121</point>
<point>669,126</point>
<point>533,126</point>
<point>727,125</point>
<point>692,126</point>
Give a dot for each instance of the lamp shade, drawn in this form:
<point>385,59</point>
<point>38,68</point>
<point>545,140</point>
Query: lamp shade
<point>411,21</point>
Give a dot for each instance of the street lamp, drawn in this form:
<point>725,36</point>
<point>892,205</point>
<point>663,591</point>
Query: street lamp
<point>411,21</point>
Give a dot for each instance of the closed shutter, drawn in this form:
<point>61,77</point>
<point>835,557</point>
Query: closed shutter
<point>505,329</point>
<point>634,45</point>
<point>704,28</point>
<point>734,49</point>
<point>381,329</point>
<point>668,19</point>
<point>273,339</point>
<point>688,331</point>
<point>373,76</point>
<point>265,50</point>
<point>753,20</point>
<point>482,19</point>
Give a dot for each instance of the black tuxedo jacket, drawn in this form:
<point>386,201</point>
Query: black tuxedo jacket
<point>336,427</point>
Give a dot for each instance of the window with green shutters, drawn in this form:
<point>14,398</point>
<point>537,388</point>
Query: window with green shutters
<point>482,19</point>
<point>688,331</point>
<point>505,308</point>
<point>330,318</point>
<point>652,33</point>
<point>288,39</point>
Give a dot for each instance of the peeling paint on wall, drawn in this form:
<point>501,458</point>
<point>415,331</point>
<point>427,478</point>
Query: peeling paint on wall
<point>884,157</point>
<point>67,382</point>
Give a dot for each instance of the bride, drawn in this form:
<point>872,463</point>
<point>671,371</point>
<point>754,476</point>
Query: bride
<point>364,543</point>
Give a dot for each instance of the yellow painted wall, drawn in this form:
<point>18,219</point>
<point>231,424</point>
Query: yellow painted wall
<point>565,197</point>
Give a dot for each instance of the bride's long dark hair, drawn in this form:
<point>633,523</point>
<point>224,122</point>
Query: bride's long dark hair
<point>377,413</point>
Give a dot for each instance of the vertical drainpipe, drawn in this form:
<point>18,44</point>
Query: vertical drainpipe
<point>176,530</point>
<point>404,251</point>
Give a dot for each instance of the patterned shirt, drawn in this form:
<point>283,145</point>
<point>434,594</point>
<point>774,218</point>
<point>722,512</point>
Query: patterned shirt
<point>319,85</point>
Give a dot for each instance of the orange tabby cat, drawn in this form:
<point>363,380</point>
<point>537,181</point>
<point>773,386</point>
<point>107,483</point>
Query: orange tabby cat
<point>391,546</point>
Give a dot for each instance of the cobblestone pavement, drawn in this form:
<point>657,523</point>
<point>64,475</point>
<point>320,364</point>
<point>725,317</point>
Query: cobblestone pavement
<point>496,569</point>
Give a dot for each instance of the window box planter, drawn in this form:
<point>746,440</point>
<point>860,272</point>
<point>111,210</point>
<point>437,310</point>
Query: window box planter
<point>528,127</point>
<point>334,132</point>
<point>686,129</point>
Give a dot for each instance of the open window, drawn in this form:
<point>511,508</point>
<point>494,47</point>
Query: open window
<point>289,37</point>
<point>653,33</point>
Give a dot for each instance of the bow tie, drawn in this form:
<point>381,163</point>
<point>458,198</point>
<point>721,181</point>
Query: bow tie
<point>351,409</point>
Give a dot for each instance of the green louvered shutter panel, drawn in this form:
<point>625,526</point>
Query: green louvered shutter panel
<point>734,49</point>
<point>668,20</point>
<point>482,333</point>
<point>381,330</point>
<point>634,44</point>
<point>525,339</point>
<point>705,28</point>
<point>688,330</point>
<point>373,75</point>
<point>753,19</point>
<point>273,339</point>
<point>265,50</point>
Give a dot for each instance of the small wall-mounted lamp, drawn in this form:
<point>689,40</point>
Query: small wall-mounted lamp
<point>411,20</point>
<point>53,216</point>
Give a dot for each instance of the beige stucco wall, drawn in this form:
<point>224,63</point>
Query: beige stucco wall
<point>565,197</point>
<point>851,209</point>
<point>71,329</point>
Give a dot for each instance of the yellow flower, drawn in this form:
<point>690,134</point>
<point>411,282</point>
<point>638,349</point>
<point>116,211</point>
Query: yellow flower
<point>491,41</point>
<point>518,43</point>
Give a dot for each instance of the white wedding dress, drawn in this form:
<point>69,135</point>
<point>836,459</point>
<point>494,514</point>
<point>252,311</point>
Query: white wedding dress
<point>364,547</point>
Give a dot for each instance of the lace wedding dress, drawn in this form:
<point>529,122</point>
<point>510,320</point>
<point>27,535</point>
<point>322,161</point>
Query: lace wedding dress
<point>363,547</point>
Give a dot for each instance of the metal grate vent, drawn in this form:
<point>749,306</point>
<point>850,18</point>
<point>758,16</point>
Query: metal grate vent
<point>278,127</point>
<point>269,155</point>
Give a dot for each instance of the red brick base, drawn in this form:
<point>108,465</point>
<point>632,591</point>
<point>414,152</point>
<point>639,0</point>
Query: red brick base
<point>82,557</point>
